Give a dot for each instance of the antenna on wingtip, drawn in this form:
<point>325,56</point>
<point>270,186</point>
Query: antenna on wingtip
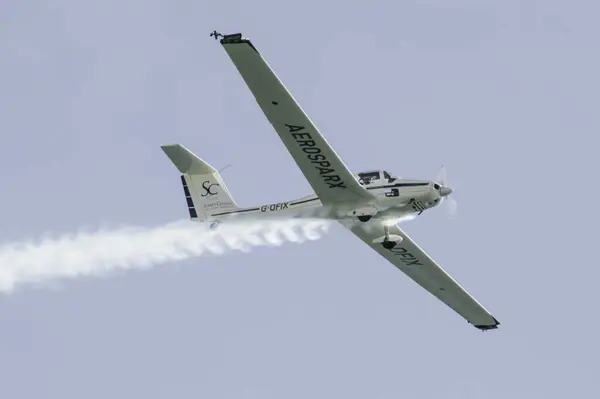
<point>224,167</point>
<point>216,34</point>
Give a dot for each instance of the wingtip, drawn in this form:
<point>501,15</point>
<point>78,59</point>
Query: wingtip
<point>167,146</point>
<point>234,38</point>
<point>489,326</point>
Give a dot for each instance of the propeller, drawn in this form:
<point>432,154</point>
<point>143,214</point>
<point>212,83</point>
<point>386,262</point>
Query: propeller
<point>445,190</point>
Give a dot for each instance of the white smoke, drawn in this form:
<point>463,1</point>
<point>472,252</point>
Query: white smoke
<point>105,251</point>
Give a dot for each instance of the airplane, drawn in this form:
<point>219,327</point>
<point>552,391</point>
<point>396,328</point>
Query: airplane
<point>368,203</point>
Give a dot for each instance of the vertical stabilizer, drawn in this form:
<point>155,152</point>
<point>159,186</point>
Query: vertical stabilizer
<point>204,189</point>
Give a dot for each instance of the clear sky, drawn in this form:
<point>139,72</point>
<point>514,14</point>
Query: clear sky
<point>505,94</point>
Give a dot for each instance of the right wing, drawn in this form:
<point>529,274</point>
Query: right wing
<point>325,171</point>
<point>420,267</point>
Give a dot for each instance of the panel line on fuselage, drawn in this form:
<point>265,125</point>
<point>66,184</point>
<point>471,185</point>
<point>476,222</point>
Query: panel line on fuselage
<point>235,211</point>
<point>398,185</point>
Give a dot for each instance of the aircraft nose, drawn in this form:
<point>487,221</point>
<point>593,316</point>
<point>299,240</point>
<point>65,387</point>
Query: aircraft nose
<point>445,191</point>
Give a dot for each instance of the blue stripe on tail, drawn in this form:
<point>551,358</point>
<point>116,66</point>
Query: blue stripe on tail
<point>188,198</point>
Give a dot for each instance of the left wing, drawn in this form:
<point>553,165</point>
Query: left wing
<point>416,264</point>
<point>325,171</point>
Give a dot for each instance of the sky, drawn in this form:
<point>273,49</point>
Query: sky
<point>504,94</point>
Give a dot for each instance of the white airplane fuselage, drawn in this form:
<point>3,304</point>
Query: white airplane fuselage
<point>392,200</point>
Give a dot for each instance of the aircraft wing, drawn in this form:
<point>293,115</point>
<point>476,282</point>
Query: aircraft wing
<point>325,171</point>
<point>416,264</point>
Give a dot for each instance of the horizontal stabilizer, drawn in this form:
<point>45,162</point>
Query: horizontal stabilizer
<point>186,161</point>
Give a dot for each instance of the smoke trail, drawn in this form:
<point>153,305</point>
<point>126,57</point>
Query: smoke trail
<point>106,251</point>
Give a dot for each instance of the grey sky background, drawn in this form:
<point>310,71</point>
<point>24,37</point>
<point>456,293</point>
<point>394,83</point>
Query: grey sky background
<point>505,94</point>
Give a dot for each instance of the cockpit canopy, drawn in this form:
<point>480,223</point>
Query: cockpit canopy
<point>374,176</point>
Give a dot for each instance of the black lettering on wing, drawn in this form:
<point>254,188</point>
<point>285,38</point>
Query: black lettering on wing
<point>311,150</point>
<point>406,257</point>
<point>306,143</point>
<point>314,154</point>
<point>340,185</point>
<point>324,171</point>
<point>323,164</point>
<point>294,128</point>
<point>318,157</point>
<point>301,136</point>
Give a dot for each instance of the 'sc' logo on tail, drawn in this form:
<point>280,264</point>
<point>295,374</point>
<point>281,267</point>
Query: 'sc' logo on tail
<point>207,189</point>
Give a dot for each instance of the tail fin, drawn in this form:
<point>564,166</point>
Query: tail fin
<point>205,191</point>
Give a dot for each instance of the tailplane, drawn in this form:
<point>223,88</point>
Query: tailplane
<point>205,190</point>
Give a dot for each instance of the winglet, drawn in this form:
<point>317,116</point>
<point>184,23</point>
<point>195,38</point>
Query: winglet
<point>186,161</point>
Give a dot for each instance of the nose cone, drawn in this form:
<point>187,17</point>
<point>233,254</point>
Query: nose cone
<point>445,191</point>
